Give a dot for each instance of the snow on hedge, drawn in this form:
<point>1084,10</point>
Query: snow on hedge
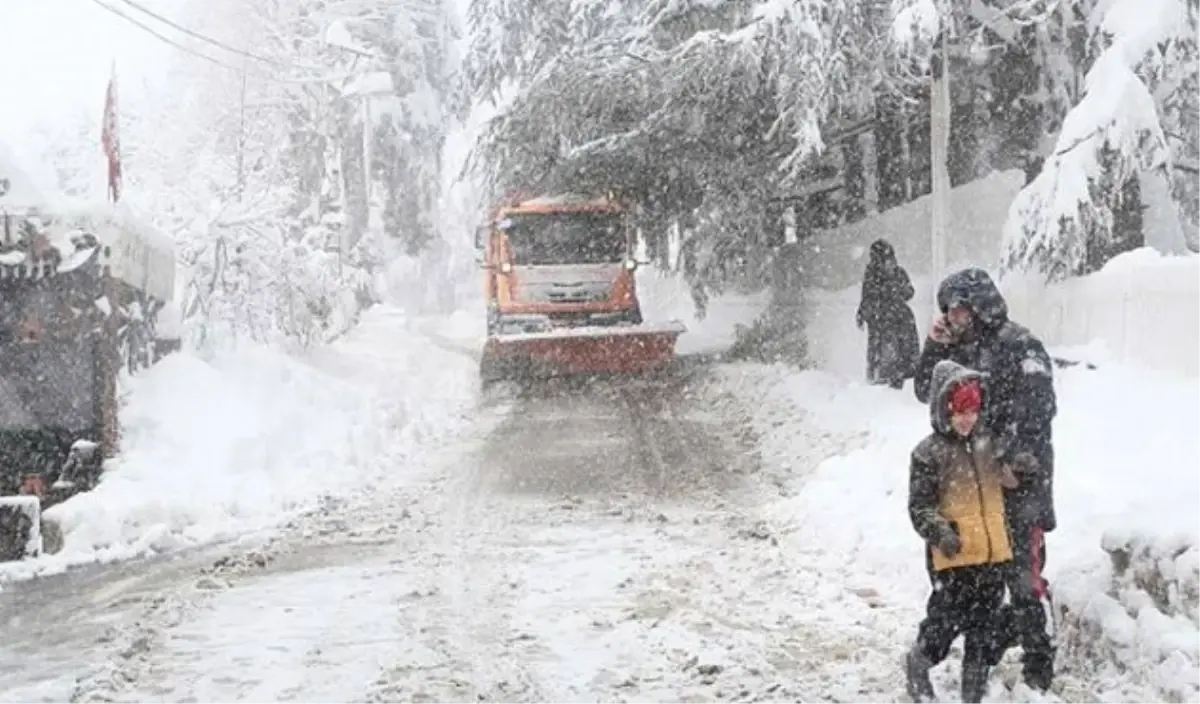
<point>1139,633</point>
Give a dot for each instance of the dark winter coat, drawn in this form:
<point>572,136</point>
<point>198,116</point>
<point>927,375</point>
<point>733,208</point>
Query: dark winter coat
<point>892,339</point>
<point>1019,385</point>
<point>955,482</point>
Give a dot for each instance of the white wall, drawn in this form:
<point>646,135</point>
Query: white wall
<point>1144,308</point>
<point>835,259</point>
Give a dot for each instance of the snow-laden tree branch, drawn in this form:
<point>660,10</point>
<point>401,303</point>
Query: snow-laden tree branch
<point>675,103</point>
<point>1113,135</point>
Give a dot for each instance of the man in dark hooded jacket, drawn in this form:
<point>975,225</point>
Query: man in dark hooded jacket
<point>974,330</point>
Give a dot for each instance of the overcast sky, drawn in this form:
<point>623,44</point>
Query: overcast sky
<point>55,57</point>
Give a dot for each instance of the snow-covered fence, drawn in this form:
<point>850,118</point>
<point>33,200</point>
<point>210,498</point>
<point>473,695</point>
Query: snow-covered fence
<point>1145,624</point>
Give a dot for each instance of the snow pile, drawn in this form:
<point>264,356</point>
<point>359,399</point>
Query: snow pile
<point>214,450</point>
<point>1127,482</point>
<point>665,297</point>
<point>1126,457</point>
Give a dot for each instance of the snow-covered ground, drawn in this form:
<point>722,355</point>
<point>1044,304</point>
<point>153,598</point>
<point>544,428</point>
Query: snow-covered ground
<point>222,449</point>
<point>1126,462</point>
<point>666,297</point>
<point>742,536</point>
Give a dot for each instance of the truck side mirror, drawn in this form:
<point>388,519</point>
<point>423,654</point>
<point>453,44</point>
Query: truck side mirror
<point>481,234</point>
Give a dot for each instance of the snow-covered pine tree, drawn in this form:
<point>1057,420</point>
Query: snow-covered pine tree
<point>698,110</point>
<point>1135,93</point>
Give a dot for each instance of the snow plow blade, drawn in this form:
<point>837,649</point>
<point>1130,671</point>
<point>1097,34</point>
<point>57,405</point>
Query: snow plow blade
<point>579,351</point>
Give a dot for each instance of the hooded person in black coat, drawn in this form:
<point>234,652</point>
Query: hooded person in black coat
<point>974,330</point>
<point>892,338</point>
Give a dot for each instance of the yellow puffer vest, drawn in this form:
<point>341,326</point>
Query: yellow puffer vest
<point>972,499</point>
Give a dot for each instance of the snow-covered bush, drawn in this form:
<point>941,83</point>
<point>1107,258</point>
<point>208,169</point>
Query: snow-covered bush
<point>1144,626</point>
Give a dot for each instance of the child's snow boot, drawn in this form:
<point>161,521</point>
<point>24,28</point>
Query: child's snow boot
<point>1037,669</point>
<point>974,681</point>
<point>916,671</point>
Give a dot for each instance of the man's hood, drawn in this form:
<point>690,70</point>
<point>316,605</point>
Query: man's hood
<point>946,374</point>
<point>975,288</point>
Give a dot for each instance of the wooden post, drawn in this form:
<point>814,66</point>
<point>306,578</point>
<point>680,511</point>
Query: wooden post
<point>110,361</point>
<point>939,142</point>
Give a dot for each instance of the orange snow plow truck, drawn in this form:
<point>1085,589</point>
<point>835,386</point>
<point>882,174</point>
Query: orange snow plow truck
<point>561,293</point>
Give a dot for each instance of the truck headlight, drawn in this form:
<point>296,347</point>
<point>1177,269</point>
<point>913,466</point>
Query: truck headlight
<point>631,264</point>
<point>505,268</point>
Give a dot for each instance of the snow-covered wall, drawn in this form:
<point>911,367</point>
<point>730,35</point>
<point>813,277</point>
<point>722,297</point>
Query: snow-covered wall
<point>1143,307</point>
<point>835,259</point>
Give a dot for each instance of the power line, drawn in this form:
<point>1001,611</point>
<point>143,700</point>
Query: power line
<point>210,40</point>
<point>187,50</point>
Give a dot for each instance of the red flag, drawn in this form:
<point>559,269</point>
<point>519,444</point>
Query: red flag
<point>111,140</point>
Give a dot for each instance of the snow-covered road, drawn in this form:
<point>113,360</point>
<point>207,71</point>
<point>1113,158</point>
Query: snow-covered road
<point>568,545</point>
<point>732,535</point>
<point>567,548</point>
<point>574,544</point>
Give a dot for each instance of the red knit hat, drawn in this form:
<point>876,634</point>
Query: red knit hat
<point>966,397</point>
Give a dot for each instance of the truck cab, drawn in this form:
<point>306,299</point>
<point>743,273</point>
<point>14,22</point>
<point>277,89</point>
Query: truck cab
<point>558,262</point>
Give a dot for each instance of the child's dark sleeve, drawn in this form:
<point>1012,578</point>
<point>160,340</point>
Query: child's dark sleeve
<point>923,495</point>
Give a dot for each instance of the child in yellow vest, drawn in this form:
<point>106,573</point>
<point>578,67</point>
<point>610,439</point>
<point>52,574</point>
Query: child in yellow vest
<point>956,504</point>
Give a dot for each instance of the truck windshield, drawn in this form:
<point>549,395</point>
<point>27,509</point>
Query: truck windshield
<point>566,238</point>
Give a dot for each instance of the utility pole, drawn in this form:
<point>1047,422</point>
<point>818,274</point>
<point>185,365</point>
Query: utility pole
<point>939,145</point>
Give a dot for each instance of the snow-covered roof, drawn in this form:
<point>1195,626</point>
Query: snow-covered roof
<point>139,255</point>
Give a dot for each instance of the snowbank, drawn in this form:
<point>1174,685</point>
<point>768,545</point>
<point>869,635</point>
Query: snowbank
<point>665,297</point>
<point>1140,631</point>
<point>1127,452</point>
<point>214,450</point>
